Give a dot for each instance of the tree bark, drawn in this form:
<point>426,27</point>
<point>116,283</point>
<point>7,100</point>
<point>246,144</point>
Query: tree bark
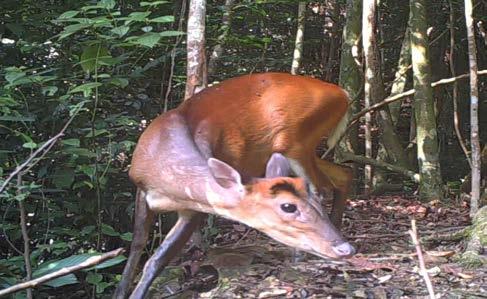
<point>196,69</point>
<point>298,46</point>
<point>476,240</point>
<point>392,149</point>
<point>196,79</point>
<point>426,131</point>
<point>350,77</point>
<point>368,20</point>
<point>474,107</point>
<point>400,78</point>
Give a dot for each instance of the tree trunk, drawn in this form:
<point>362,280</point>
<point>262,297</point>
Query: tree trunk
<point>351,75</point>
<point>196,69</point>
<point>374,92</point>
<point>426,132</point>
<point>476,240</point>
<point>368,20</point>
<point>400,78</point>
<point>196,79</point>
<point>390,149</point>
<point>474,110</point>
<point>298,46</point>
<point>451,60</point>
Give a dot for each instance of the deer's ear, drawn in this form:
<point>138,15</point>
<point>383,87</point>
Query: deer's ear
<point>225,175</point>
<point>277,166</point>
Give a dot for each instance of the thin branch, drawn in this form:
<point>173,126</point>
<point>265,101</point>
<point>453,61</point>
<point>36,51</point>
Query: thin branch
<point>422,267</point>
<point>41,150</point>
<point>381,164</point>
<point>392,99</point>
<point>173,56</point>
<point>397,97</point>
<point>92,261</point>
<point>25,235</point>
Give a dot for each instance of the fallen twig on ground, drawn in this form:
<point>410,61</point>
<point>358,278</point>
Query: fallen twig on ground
<point>422,267</point>
<point>92,261</point>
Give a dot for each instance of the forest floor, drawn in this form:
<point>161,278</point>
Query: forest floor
<point>246,264</point>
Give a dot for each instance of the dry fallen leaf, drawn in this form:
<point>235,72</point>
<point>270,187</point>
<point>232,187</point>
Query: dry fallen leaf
<point>385,278</point>
<point>441,253</point>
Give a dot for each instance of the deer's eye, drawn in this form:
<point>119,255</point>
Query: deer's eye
<point>289,207</point>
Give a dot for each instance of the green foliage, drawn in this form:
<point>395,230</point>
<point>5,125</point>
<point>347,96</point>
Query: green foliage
<point>100,63</point>
<point>89,61</point>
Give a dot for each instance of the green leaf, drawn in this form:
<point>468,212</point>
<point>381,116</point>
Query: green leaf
<point>30,145</point>
<point>121,82</point>
<point>149,39</point>
<point>139,16</point>
<point>71,141</point>
<point>152,3</point>
<point>110,61</point>
<point>62,281</point>
<point>100,287</point>
<point>108,230</point>
<point>84,152</point>
<point>163,19</point>
<point>97,132</point>
<point>171,33</point>
<point>90,58</point>
<point>17,118</point>
<point>107,4</point>
<point>88,170</point>
<point>115,261</point>
<point>13,74</point>
<point>63,178</point>
<point>71,29</point>
<point>120,31</point>
<point>86,88</point>
<point>68,14</point>
<point>102,76</point>
<point>49,90</point>
<point>53,266</point>
<point>87,230</point>
<point>147,28</point>
<point>94,278</point>
<point>127,237</point>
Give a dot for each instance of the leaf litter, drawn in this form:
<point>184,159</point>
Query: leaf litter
<point>243,263</point>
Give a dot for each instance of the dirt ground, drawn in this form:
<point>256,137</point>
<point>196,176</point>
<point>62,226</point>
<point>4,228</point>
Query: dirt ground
<point>243,263</point>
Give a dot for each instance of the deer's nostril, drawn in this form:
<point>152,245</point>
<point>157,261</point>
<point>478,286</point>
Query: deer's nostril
<point>344,250</point>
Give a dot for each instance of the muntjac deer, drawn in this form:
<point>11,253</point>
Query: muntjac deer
<point>230,151</point>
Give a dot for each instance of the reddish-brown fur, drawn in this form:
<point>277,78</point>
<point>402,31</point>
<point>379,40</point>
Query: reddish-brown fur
<point>262,126</point>
<point>252,116</point>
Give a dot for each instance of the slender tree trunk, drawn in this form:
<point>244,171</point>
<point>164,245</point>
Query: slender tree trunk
<point>351,74</point>
<point>298,46</point>
<point>196,69</point>
<point>368,20</point>
<point>456,119</point>
<point>390,149</point>
<point>196,66</point>
<point>217,51</point>
<point>474,107</point>
<point>426,132</point>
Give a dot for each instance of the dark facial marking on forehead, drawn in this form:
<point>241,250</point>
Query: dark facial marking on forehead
<point>284,187</point>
